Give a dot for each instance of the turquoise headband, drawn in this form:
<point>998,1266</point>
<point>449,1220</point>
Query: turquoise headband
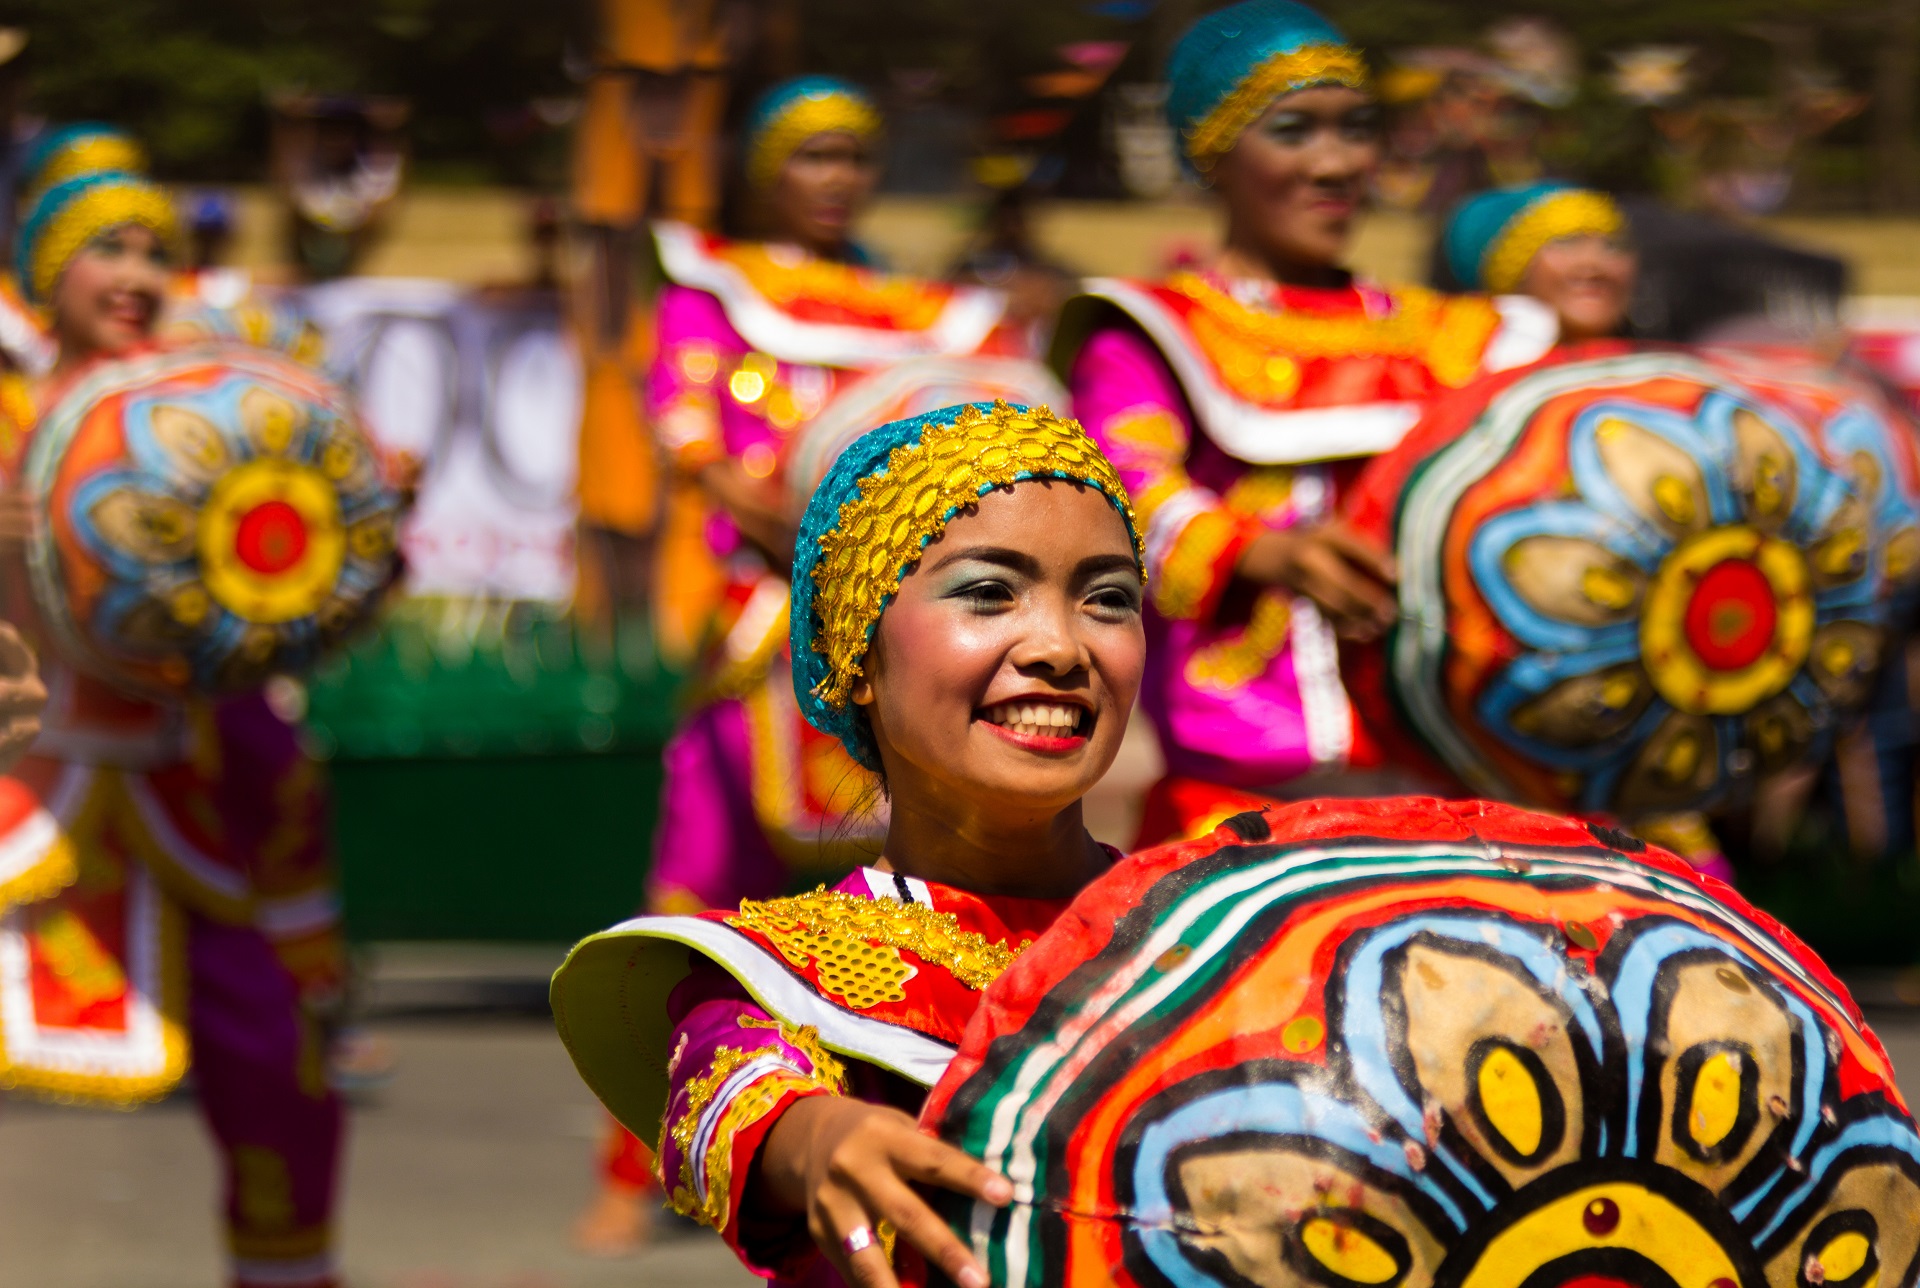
<point>794,111</point>
<point>1492,236</point>
<point>65,217</point>
<point>1230,66</point>
<point>71,151</point>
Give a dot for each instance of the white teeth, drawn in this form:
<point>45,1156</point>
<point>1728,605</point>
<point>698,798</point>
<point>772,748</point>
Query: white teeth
<point>1034,717</point>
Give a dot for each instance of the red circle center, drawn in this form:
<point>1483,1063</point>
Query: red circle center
<point>270,538</point>
<point>1731,616</point>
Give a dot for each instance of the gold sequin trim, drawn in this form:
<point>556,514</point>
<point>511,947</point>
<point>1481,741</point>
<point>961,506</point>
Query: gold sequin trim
<point>1575,212</point>
<point>880,533</point>
<point>91,213</point>
<point>826,113</point>
<point>1191,572</point>
<point>91,154</point>
<point>1319,64</point>
<point>1449,334</point>
<point>903,303</point>
<point>1244,657</point>
<point>854,944</point>
<point>748,1106</point>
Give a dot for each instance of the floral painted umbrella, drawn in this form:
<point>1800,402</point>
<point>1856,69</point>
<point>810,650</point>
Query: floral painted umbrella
<point>214,515</point>
<point>1410,1043</point>
<point>1630,582</point>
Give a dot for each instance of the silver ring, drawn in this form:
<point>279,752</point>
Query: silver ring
<point>858,1239</point>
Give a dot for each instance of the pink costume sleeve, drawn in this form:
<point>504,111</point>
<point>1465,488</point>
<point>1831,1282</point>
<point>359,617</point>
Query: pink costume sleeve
<point>695,350</point>
<point>1128,399</point>
<point>733,1071</point>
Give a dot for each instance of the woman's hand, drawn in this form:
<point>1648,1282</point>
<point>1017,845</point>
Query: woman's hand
<point>1349,577</point>
<point>848,1164</point>
<point>22,697</point>
<point>18,520</point>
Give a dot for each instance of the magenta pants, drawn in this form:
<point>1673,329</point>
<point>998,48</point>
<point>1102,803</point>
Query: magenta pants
<point>260,1062</point>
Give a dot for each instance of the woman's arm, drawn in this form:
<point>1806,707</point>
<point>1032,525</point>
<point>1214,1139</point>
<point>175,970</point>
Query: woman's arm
<point>765,1141</point>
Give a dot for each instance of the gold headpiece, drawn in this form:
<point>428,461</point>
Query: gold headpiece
<point>91,154</point>
<point>1214,135</point>
<point>1569,212</point>
<point>62,224</point>
<point>806,116</point>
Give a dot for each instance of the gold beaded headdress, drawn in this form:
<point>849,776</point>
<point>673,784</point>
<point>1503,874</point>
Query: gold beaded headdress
<point>890,494</point>
<point>1216,133</point>
<point>797,111</point>
<point>87,151</point>
<point>67,216</point>
<point>1230,66</point>
<point>1567,212</point>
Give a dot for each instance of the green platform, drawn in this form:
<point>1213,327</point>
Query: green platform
<point>537,848</point>
<point>496,772</point>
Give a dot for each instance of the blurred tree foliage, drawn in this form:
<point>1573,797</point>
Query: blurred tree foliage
<point>192,76</point>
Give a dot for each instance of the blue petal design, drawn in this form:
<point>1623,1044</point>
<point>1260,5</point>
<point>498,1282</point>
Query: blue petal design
<point>1363,1026</point>
<point>1597,485</point>
<point>1277,1108</point>
<point>1633,1001</point>
<point>1487,554</point>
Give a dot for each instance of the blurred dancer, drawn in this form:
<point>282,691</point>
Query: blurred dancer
<point>1565,246</point>
<point>753,341</point>
<point>199,830</point>
<point>1222,396</point>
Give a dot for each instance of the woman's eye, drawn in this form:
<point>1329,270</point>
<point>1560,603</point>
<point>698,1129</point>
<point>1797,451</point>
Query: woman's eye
<point>1361,125</point>
<point>986,593</point>
<point>1290,128</point>
<point>1114,600</point>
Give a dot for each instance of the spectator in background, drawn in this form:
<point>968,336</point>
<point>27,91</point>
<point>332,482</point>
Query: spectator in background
<point>1003,254</point>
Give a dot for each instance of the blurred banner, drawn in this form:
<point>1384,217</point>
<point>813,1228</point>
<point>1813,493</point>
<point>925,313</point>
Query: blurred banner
<point>483,655</point>
<point>484,388</point>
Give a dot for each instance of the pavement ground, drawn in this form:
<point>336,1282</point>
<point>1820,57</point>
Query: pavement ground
<point>464,1171</point>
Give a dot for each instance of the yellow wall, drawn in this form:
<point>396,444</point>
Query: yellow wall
<point>478,235</point>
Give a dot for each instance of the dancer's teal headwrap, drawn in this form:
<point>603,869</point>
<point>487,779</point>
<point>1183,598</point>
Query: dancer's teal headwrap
<point>794,111</point>
<point>1234,62</point>
<point>64,152</point>
<point>1493,236</point>
<point>67,216</point>
<point>889,494</point>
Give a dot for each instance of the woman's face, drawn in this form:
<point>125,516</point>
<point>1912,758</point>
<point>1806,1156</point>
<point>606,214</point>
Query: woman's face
<point>1001,676</point>
<point>1298,175</point>
<point>1587,281</point>
<point>108,299</point>
<point>822,189</point>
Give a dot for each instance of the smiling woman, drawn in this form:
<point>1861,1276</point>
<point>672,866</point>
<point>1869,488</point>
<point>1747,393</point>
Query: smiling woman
<point>967,622</point>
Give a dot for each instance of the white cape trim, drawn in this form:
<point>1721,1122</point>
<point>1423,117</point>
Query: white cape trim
<point>609,1003</point>
<point>968,318</point>
<point>1260,436</point>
